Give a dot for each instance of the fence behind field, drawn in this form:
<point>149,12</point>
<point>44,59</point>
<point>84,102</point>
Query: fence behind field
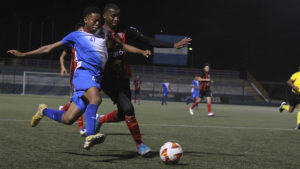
<point>43,78</point>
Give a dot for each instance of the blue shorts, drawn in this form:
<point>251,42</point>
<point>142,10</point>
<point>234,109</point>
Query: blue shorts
<point>82,81</point>
<point>165,94</point>
<point>195,95</point>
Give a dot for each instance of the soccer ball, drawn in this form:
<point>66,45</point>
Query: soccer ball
<point>170,153</point>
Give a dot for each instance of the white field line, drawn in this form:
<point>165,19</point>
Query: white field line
<point>173,125</point>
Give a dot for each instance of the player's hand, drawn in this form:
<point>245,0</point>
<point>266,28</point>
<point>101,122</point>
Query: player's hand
<point>295,88</point>
<point>16,53</point>
<point>146,53</point>
<point>63,71</point>
<point>182,43</point>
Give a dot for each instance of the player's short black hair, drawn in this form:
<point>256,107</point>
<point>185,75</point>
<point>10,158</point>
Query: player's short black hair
<point>78,25</point>
<point>91,9</point>
<point>110,6</point>
<point>206,64</point>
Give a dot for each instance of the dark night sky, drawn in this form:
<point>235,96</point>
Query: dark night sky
<point>259,36</point>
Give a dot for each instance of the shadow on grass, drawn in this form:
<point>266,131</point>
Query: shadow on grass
<point>114,154</point>
<point>117,134</point>
<point>202,154</point>
<point>218,116</point>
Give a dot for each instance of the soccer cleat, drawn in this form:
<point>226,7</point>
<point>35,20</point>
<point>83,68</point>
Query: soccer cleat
<point>211,114</point>
<point>91,140</point>
<point>82,132</point>
<point>191,111</point>
<point>98,124</point>
<point>60,107</point>
<point>297,127</point>
<point>280,107</point>
<point>38,115</point>
<point>143,150</point>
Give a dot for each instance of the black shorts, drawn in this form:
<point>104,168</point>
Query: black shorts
<point>114,82</point>
<point>137,92</point>
<point>205,93</point>
<point>294,99</point>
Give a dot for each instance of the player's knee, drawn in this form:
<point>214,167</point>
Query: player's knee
<point>68,120</point>
<point>96,100</point>
<point>129,110</point>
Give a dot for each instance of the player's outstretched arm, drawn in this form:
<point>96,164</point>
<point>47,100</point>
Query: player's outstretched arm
<point>133,49</point>
<point>42,50</point>
<point>128,48</point>
<point>63,69</point>
<point>136,35</point>
<point>182,43</point>
<point>202,79</point>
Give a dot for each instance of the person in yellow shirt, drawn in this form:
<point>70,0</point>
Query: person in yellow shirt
<point>294,100</point>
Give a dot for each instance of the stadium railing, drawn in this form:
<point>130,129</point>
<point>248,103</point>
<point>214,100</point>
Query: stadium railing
<point>229,87</point>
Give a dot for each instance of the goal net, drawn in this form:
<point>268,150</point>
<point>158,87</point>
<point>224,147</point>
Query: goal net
<point>45,83</point>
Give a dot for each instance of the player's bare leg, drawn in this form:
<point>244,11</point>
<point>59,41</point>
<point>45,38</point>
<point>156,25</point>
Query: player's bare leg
<point>73,113</point>
<point>286,107</point>
<point>81,129</point>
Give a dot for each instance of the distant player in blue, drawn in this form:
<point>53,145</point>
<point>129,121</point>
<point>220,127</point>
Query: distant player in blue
<point>91,57</point>
<point>194,92</point>
<point>165,87</point>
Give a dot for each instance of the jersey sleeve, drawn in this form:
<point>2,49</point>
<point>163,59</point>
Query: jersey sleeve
<point>201,74</point>
<point>69,39</point>
<point>294,76</point>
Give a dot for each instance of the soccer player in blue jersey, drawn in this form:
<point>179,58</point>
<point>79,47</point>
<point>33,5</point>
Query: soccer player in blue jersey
<point>165,87</point>
<point>91,57</point>
<point>73,64</point>
<point>194,92</point>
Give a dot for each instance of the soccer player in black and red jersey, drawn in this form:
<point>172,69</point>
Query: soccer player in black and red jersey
<point>137,89</point>
<point>205,82</point>
<point>117,73</point>
<point>73,64</point>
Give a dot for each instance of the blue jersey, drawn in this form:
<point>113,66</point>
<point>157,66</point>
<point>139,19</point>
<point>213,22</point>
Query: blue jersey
<point>91,51</point>
<point>91,56</point>
<point>165,87</point>
<point>195,89</point>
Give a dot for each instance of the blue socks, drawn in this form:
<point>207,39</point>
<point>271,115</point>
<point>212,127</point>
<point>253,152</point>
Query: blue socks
<point>53,114</point>
<point>90,117</point>
<point>164,100</point>
<point>189,101</point>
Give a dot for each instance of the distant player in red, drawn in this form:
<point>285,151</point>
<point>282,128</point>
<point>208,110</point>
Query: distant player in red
<point>205,82</point>
<point>137,89</point>
<point>63,71</point>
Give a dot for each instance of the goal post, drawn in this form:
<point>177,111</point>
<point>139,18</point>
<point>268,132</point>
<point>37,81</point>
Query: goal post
<point>45,83</point>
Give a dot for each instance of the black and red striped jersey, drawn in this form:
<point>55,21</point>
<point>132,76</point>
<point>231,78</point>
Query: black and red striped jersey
<point>137,84</point>
<point>116,54</point>
<point>205,85</point>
